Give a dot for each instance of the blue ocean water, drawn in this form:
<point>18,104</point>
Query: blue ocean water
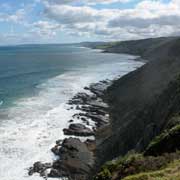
<point>22,68</point>
<point>36,82</point>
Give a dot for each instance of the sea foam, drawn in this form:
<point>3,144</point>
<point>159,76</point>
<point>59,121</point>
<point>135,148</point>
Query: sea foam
<point>31,126</point>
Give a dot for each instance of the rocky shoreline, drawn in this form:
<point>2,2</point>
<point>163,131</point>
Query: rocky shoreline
<point>76,158</point>
<point>141,105</point>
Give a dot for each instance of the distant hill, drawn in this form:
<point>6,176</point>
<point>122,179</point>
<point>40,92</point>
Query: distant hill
<point>144,47</point>
<point>92,45</point>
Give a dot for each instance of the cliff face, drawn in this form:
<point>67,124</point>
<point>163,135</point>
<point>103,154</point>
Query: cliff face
<point>142,102</point>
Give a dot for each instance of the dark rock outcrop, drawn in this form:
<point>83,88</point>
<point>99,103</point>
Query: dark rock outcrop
<point>77,158</point>
<point>40,168</point>
<point>82,98</point>
<point>78,130</point>
<point>99,88</point>
<point>76,161</point>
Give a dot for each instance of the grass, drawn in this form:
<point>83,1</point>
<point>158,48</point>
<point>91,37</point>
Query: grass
<point>108,45</point>
<point>165,142</point>
<point>160,161</point>
<point>134,163</point>
<point>171,172</point>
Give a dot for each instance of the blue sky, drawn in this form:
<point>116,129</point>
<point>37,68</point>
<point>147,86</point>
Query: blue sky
<point>65,21</point>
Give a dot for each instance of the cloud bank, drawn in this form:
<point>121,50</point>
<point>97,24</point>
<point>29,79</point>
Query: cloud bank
<point>100,19</point>
<point>147,19</point>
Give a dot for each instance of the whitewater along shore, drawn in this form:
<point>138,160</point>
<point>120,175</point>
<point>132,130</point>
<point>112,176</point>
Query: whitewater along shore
<point>76,154</point>
<point>140,106</point>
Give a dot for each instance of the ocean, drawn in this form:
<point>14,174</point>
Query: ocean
<point>36,82</point>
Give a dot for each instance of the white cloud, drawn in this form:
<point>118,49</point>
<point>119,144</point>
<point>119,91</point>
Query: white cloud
<point>45,28</point>
<point>16,17</point>
<point>40,31</point>
<point>87,2</point>
<point>68,14</point>
<point>149,18</point>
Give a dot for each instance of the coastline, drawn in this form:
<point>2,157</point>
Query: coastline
<point>76,155</point>
<point>134,122</point>
<point>135,109</point>
<point>34,123</point>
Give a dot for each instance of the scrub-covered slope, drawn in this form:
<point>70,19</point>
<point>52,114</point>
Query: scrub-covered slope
<point>144,114</point>
<point>142,102</point>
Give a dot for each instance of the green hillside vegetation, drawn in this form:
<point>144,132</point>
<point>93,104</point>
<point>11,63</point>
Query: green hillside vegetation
<point>107,45</point>
<point>168,141</point>
<point>138,166</point>
<point>160,161</point>
<point>170,172</point>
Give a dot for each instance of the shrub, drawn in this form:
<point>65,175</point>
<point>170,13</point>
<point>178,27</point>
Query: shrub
<point>134,163</point>
<point>167,142</point>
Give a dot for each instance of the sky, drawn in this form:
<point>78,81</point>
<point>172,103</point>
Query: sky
<point>67,21</point>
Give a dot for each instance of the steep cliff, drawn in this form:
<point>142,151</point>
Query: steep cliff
<point>142,102</point>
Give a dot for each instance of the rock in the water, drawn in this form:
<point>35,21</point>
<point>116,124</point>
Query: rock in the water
<point>54,173</point>
<point>76,160</point>
<point>40,168</point>
<point>99,119</point>
<point>82,98</point>
<point>91,144</point>
<point>99,104</point>
<point>99,88</point>
<point>93,109</point>
<point>70,121</point>
<point>59,142</point>
<point>78,130</point>
<point>55,149</point>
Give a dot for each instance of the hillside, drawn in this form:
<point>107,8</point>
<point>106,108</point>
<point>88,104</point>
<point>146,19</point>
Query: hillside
<point>143,48</point>
<point>159,158</point>
<point>142,102</point>
<point>136,117</point>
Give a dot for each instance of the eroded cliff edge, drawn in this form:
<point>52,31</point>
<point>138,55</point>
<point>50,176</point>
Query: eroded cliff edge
<point>142,102</point>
